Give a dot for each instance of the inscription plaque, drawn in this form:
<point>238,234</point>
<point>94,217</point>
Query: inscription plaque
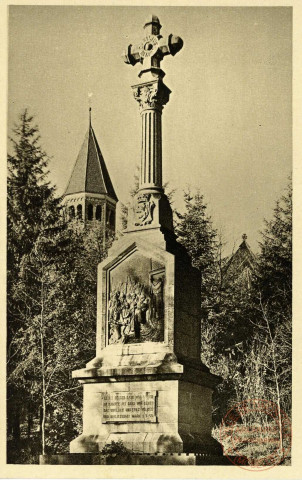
<point>122,407</point>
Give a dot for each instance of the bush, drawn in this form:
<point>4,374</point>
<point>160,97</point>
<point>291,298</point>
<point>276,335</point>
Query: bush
<point>115,448</point>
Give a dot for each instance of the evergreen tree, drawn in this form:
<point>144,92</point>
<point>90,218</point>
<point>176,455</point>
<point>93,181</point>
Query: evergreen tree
<point>263,362</point>
<point>51,305</point>
<point>125,207</point>
<point>273,299</point>
<point>225,329</point>
<point>195,231</point>
<point>32,210</point>
<point>275,260</point>
<point>74,339</point>
<point>31,201</point>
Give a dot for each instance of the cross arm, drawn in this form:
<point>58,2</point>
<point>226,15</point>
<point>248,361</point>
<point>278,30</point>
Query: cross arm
<point>131,56</point>
<point>159,47</point>
<point>170,45</point>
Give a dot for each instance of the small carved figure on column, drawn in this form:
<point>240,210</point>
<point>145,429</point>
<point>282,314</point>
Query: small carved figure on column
<point>144,209</point>
<point>157,300</point>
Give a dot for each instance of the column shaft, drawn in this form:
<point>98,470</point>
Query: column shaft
<point>151,154</point>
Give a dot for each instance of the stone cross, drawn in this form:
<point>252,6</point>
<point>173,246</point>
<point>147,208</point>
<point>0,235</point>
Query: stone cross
<point>152,94</point>
<point>152,49</point>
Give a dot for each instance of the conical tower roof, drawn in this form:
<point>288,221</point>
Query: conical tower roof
<point>90,173</point>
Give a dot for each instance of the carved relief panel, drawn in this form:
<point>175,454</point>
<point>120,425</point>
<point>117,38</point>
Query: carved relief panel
<point>135,305</point>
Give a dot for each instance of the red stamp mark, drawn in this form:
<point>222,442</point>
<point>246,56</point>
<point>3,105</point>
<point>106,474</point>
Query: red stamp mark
<point>256,435</point>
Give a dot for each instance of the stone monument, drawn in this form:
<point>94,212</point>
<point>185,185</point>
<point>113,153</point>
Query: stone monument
<point>147,385</point>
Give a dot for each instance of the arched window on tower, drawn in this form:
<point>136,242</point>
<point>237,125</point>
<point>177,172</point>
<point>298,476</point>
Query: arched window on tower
<point>112,219</point>
<point>71,212</point>
<point>90,212</point>
<point>108,215</point>
<point>79,212</point>
<point>98,213</point>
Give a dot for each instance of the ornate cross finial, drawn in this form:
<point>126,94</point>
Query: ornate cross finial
<point>244,237</point>
<point>151,51</point>
<point>151,208</point>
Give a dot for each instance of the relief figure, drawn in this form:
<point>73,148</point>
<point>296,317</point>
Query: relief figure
<point>135,311</point>
<point>144,209</point>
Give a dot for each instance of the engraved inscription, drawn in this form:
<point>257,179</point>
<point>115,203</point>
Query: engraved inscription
<point>148,47</point>
<point>121,407</point>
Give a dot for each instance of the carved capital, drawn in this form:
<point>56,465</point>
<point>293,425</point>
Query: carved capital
<point>151,95</point>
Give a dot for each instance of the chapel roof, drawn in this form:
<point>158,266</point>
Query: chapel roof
<point>241,264</point>
<point>90,173</point>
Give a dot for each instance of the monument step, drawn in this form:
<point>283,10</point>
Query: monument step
<point>134,459</point>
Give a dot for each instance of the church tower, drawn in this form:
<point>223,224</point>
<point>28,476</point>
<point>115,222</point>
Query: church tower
<point>90,197</point>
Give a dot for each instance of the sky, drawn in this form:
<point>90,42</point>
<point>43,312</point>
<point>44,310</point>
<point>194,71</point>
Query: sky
<point>227,129</point>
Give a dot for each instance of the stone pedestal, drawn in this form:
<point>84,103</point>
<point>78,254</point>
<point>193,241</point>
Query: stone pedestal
<point>147,385</point>
<point>176,416</point>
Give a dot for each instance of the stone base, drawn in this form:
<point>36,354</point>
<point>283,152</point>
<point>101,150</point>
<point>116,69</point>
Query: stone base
<point>181,420</point>
<point>147,386</point>
<point>134,459</point>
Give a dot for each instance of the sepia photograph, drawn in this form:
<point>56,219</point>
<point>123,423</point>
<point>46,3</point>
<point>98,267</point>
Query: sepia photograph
<point>149,236</point>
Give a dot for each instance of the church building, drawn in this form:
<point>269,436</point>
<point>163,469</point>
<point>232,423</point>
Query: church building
<point>240,266</point>
<point>90,197</point>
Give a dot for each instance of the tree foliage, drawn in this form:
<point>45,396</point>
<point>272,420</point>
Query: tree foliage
<point>31,201</point>
<point>246,326</point>
<point>52,275</point>
<point>32,210</point>
<point>224,328</point>
<point>195,230</point>
<point>273,299</point>
<point>275,260</point>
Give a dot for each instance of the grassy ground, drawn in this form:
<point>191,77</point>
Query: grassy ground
<point>260,445</point>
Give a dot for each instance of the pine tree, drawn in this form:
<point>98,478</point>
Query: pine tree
<point>275,260</point>
<point>31,200</point>
<point>263,368</point>
<point>195,231</point>
<point>125,207</point>
<point>224,327</point>
<point>32,210</point>
<point>51,306</point>
<point>273,299</point>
